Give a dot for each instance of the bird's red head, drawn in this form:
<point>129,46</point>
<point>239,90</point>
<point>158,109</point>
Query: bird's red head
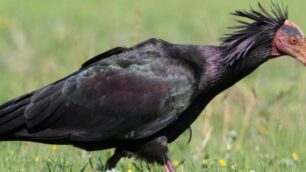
<point>290,40</point>
<point>269,34</point>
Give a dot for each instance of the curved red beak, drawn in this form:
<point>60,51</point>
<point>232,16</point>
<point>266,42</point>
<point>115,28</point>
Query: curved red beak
<point>301,54</point>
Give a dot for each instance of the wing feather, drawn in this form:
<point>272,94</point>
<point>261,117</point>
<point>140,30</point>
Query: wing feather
<point>130,95</point>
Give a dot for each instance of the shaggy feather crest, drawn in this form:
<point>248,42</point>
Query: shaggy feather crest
<point>252,34</point>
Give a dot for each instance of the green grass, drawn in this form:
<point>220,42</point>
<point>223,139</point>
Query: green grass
<point>256,126</point>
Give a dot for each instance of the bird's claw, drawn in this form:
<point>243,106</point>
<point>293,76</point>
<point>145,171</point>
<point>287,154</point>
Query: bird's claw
<point>169,167</point>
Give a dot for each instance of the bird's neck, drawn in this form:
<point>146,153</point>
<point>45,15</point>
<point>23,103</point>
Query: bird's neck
<point>218,76</point>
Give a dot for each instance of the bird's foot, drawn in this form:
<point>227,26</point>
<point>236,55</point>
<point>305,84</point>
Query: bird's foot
<point>169,166</point>
<point>113,160</point>
<point>111,170</point>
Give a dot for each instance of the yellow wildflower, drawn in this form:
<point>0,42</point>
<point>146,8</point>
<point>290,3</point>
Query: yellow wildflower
<point>222,163</point>
<point>130,169</point>
<point>53,147</point>
<point>176,163</point>
<point>295,156</point>
<point>36,158</point>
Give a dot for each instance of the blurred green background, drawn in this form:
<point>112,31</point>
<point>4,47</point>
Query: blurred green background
<point>256,126</point>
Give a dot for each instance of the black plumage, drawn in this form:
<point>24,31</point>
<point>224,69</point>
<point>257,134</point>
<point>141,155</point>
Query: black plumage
<point>250,35</point>
<point>141,98</point>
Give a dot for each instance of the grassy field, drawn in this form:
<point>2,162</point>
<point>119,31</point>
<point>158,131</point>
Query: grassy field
<point>256,126</point>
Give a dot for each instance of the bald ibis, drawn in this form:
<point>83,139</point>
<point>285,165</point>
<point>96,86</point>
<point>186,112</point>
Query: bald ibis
<point>139,99</point>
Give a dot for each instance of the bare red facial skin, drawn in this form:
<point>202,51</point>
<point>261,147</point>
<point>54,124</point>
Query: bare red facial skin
<point>275,52</point>
<point>289,40</point>
<point>276,44</point>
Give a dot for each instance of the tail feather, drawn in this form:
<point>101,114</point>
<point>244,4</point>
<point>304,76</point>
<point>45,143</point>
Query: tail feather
<point>12,124</point>
<point>18,99</point>
<point>12,107</point>
<point>12,113</point>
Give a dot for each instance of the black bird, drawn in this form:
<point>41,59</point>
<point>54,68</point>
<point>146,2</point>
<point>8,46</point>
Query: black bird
<point>139,99</point>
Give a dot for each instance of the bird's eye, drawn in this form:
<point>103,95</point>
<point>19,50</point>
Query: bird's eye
<point>293,40</point>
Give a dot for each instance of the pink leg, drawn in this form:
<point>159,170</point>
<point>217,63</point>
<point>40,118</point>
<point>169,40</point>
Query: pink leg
<point>169,166</point>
